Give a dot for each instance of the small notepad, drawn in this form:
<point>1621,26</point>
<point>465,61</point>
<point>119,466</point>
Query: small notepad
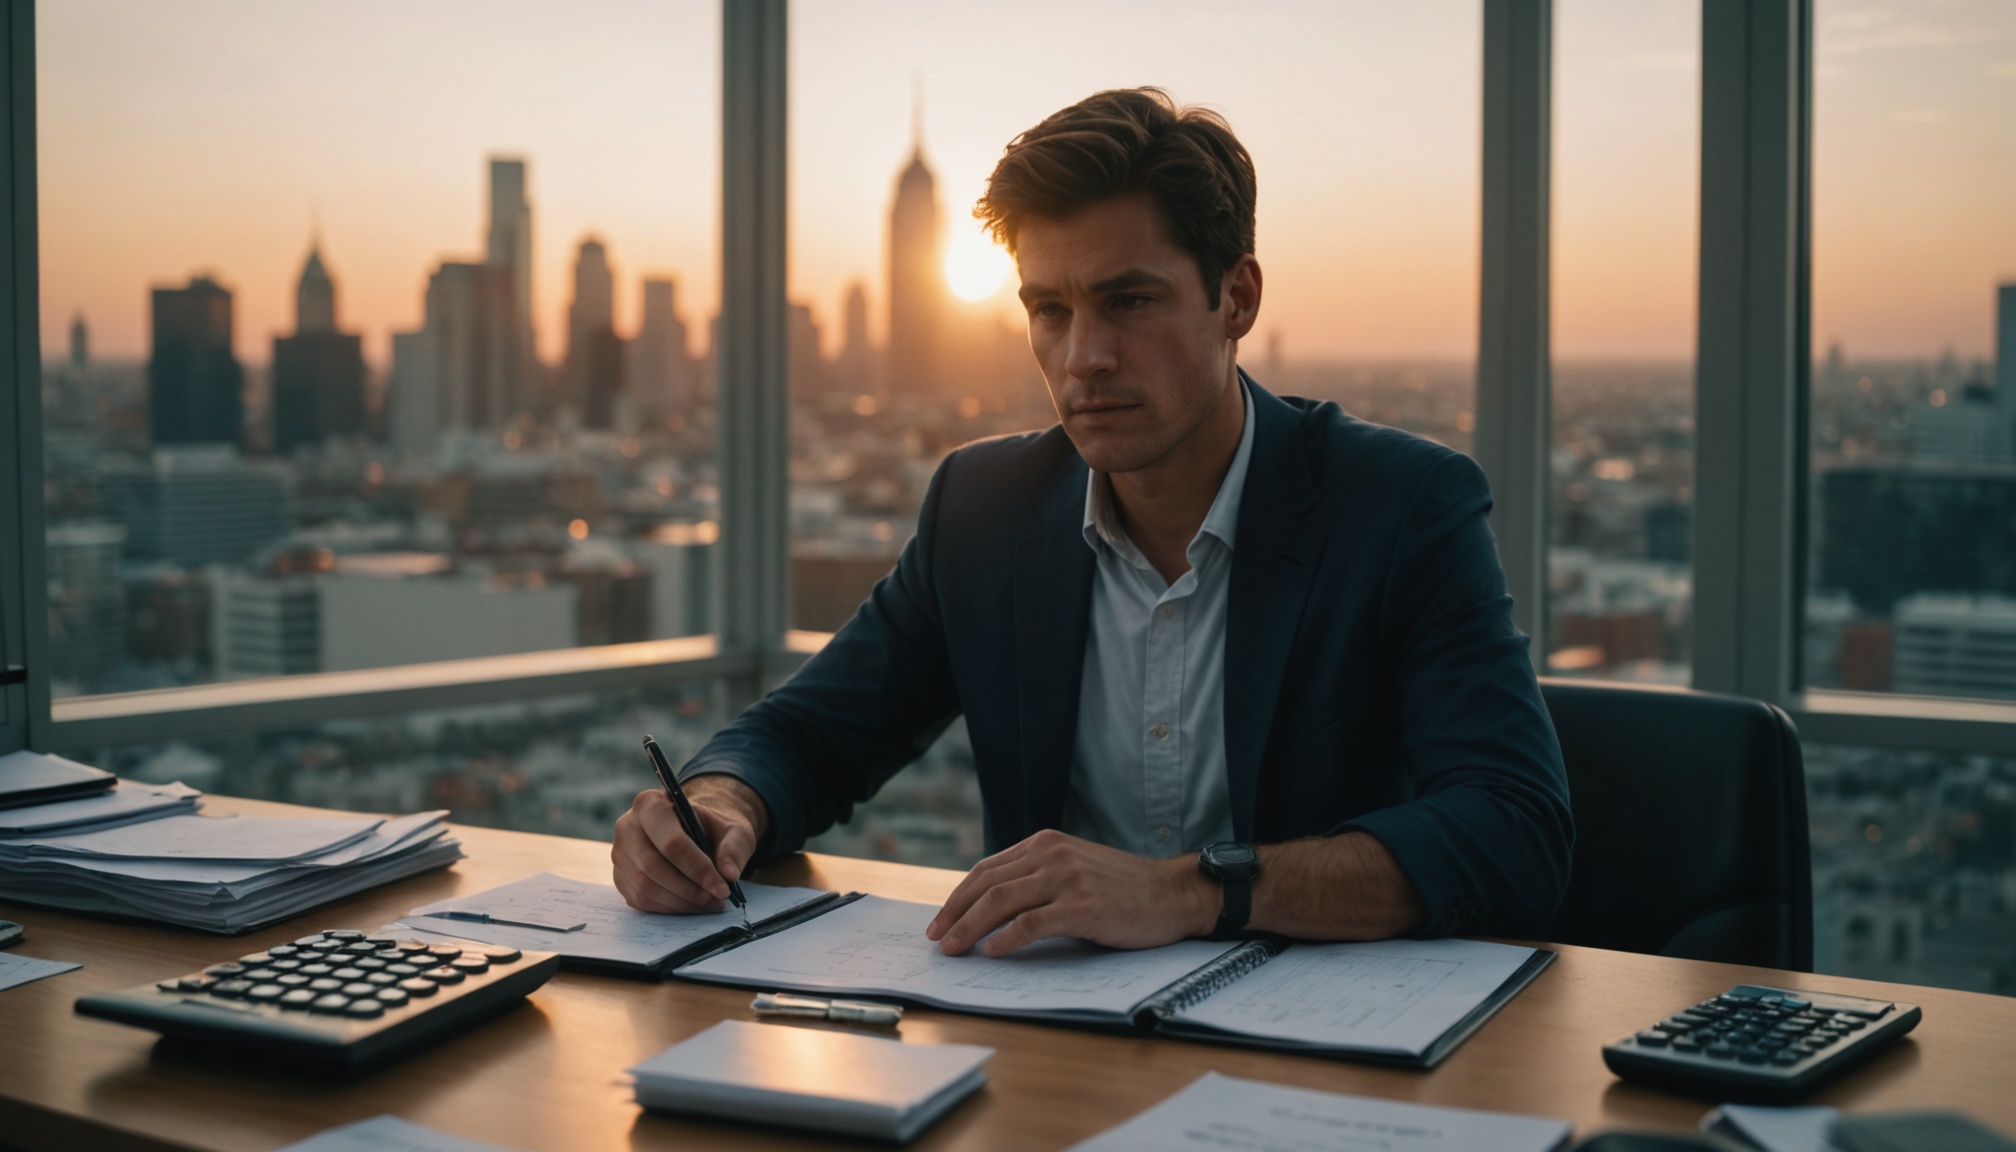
<point>816,1078</point>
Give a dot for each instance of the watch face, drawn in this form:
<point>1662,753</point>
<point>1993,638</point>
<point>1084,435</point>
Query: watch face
<point>1230,861</point>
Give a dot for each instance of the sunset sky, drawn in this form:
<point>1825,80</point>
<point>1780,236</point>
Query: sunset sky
<point>207,135</point>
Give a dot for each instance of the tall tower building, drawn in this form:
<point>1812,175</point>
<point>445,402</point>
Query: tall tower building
<point>854,372</point>
<point>2005,363</point>
<point>195,385</point>
<point>660,369</point>
<point>469,347</point>
<point>916,275</point>
<point>594,353</point>
<point>510,249</point>
<point>80,344</point>
<point>318,373</point>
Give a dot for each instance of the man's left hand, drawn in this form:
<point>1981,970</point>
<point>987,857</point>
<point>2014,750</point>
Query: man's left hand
<point>1057,885</point>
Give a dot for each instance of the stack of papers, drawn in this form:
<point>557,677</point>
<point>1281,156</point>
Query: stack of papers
<point>142,852</point>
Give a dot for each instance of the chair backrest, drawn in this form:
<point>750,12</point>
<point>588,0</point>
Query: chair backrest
<point>1690,825</point>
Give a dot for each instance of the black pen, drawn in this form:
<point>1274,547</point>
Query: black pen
<point>689,821</point>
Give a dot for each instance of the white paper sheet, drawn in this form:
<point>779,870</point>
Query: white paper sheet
<point>128,802</point>
<point>1224,1114</point>
<point>1778,1129</point>
<point>252,838</point>
<point>614,931</point>
<point>1394,996</point>
<point>18,970</point>
<point>387,1134</point>
<point>876,946</point>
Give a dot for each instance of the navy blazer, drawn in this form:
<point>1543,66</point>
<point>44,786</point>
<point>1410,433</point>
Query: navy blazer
<point>1373,678</point>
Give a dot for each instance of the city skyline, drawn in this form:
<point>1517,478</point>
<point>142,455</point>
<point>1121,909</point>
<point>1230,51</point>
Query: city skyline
<point>154,170</point>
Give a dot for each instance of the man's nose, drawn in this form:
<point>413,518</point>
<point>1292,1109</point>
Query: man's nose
<point>1092,351</point>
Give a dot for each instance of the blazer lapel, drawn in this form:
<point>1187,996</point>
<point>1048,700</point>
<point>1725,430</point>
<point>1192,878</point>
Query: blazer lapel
<point>1053,607</point>
<point>1273,566</point>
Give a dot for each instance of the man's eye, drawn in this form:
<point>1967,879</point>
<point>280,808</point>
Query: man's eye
<point>1129,303</point>
<point>1047,311</point>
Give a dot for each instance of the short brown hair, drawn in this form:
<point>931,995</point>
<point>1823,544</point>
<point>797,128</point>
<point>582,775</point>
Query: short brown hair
<point>1124,142</point>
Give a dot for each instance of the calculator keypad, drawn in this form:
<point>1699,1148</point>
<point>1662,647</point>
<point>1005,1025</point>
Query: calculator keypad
<point>358,976</point>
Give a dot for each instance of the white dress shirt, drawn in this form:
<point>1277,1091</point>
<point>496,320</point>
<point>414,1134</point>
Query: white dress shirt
<point>1148,761</point>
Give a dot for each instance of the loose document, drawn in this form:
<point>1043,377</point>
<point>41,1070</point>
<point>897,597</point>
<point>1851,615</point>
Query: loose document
<point>387,1134</point>
<point>1222,1114</point>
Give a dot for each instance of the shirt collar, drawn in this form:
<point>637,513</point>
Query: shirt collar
<point>1102,519</point>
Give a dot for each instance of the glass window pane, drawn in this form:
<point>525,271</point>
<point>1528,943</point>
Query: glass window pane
<point>1912,515</point>
<point>1914,866</point>
<point>566,765</point>
<point>375,333</point>
<point>1364,123</point>
<point>1627,142</point>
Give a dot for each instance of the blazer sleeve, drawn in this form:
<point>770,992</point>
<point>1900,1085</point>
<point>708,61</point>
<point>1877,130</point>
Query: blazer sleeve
<point>1486,839</point>
<point>871,701</point>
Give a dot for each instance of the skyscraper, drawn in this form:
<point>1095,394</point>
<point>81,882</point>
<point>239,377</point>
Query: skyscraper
<point>80,344</point>
<point>471,346</point>
<point>916,277</point>
<point>195,384</point>
<point>854,371</point>
<point>318,373</point>
<point>510,243</point>
<point>660,370</point>
<point>594,353</point>
<point>2005,363</point>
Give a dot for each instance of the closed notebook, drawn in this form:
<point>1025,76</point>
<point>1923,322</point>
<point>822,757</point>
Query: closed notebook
<point>831,1081</point>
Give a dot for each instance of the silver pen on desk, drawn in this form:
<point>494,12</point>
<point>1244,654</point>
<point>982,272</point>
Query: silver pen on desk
<point>470,917</point>
<point>820,1008</point>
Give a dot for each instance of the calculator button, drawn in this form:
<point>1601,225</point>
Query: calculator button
<point>497,953</point>
<point>360,948</point>
<point>1653,1038</point>
<point>196,983</point>
<point>365,1009</point>
<point>1721,1051</point>
<point>291,980</point>
<point>1687,1043</point>
<point>393,997</point>
<point>317,969</point>
<point>1752,1055</point>
<point>325,984</point>
<point>367,963</point>
<point>298,998</point>
<point>283,950</point>
<point>326,946</point>
<point>403,969</point>
<point>1854,1025</point>
<point>410,946</point>
<point>448,951</point>
<point>348,973</point>
<point>471,963</point>
<point>388,956</point>
<point>265,993</point>
<point>378,942</point>
<point>255,959</point>
<point>344,935</point>
<point>358,988</point>
<point>224,971</point>
<point>418,987</point>
<point>443,975</point>
<point>380,979</point>
<point>308,941</point>
<point>329,1004</point>
<point>231,989</point>
<point>285,965</point>
<point>1786,1057</point>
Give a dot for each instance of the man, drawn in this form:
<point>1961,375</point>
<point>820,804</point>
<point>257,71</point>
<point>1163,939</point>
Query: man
<point>1229,662</point>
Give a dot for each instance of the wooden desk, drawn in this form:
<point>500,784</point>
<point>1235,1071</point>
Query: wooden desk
<point>546,1075</point>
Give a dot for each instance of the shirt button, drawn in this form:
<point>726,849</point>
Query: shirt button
<point>1168,610</point>
<point>1161,733</point>
<point>1163,834</point>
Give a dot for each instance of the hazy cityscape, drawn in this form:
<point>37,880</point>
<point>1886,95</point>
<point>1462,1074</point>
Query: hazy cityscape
<point>212,519</point>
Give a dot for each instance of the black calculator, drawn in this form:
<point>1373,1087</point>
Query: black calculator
<point>340,998</point>
<point>1762,1044</point>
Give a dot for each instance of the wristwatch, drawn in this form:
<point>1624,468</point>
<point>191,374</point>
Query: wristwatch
<point>1233,865</point>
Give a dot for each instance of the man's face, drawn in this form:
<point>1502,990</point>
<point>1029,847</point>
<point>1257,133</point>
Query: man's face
<point>1136,358</point>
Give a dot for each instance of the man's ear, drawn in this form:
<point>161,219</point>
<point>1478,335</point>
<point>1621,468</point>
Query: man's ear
<point>1240,294</point>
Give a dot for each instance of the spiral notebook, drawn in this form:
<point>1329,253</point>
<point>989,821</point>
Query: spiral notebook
<point>1405,1002</point>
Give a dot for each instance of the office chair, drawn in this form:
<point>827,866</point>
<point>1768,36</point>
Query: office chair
<point>1690,826</point>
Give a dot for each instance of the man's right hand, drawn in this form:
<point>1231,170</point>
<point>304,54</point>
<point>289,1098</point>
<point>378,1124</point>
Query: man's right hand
<point>659,869</point>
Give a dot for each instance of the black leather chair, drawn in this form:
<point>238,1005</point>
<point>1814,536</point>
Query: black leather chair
<point>1690,826</point>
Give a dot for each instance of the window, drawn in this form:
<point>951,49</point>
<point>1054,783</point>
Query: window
<point>333,384</point>
<point>1912,564</point>
<point>1627,191</point>
<point>907,340</point>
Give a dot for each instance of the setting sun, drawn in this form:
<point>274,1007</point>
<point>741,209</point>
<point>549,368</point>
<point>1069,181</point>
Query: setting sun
<point>974,266</point>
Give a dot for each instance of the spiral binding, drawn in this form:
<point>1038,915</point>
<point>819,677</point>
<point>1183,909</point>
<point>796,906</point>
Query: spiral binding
<point>1203,983</point>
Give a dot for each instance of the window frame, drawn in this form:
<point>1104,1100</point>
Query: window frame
<point>1751,405</point>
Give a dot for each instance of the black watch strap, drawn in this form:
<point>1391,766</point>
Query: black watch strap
<point>1238,907</point>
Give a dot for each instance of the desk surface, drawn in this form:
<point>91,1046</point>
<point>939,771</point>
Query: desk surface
<point>547,1075</point>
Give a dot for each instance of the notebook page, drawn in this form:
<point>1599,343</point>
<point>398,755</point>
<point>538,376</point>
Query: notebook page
<point>876,947</point>
<point>1394,996</point>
